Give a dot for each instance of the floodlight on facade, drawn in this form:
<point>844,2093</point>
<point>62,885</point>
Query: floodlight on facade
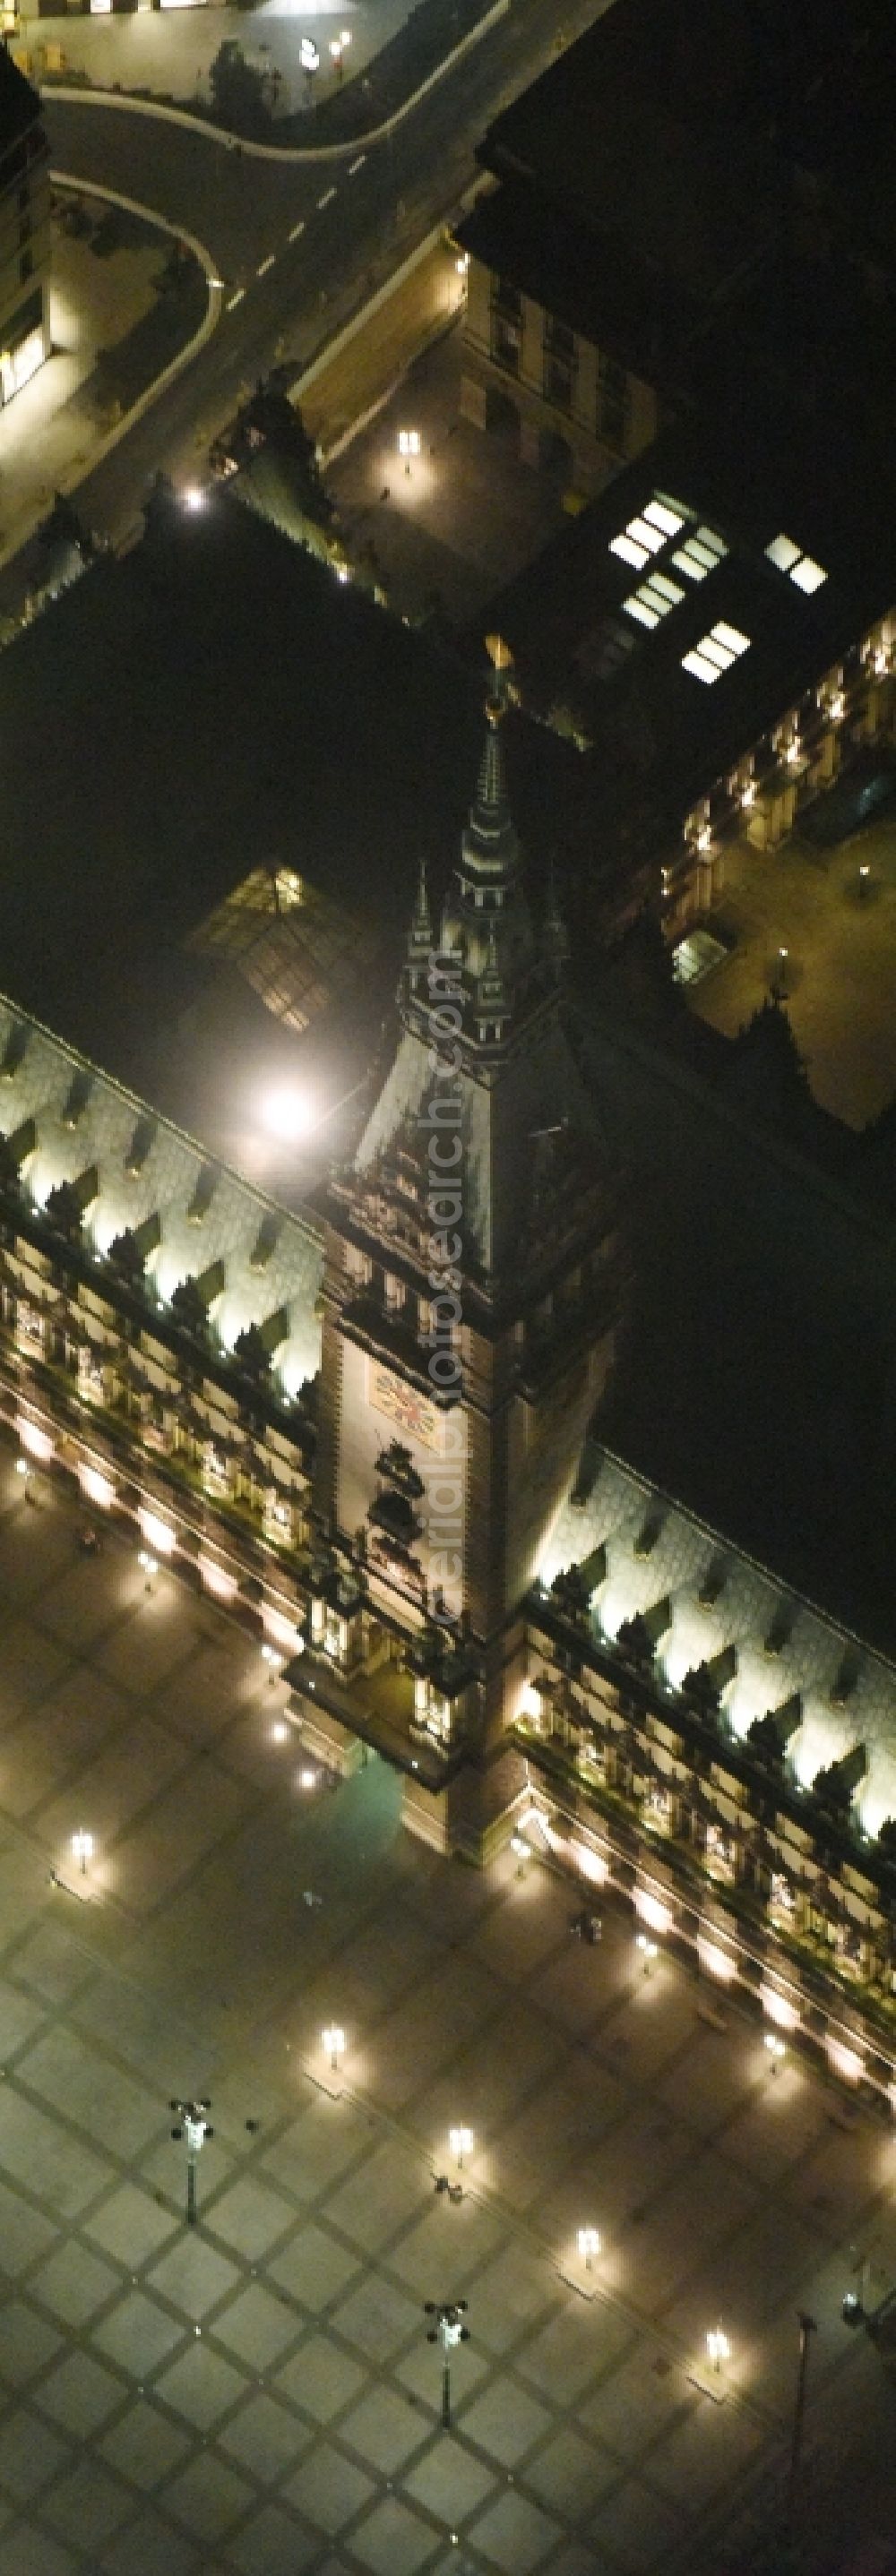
<point>588,2242</point>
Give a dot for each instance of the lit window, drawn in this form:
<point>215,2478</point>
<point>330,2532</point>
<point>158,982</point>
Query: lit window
<point>788,557</point>
<point>666,515</point>
<point>699,553</point>
<point>654,599</point>
<point>638,606</point>
<point>630,552</point>
<point>783,553</point>
<point>715,652</point>
<point>808,575</point>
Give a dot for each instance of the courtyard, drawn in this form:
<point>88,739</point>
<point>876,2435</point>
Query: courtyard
<point>256,2394</point>
<point>817,919</point>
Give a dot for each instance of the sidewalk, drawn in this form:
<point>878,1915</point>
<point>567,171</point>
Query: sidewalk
<point>110,326</point>
<point>170,51</point>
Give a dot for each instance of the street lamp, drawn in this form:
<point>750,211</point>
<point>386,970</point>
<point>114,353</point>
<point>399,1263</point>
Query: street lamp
<point>194,2127</point>
<point>806,2328</point>
<point>649,1950</point>
<point>408,446</point>
<point>718,2347</point>
<point>449,2331</point>
<point>461,2144</point>
<point>777,2048</point>
<point>270,1656</point>
<point>588,2242</point>
<point>522,1851</point>
<point>82,1849</point>
<point>150,1566</point>
<point>333,2040</point>
<point>338,49</point>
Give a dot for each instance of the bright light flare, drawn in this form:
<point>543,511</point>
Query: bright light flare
<point>652,1912</point>
<point>289,1115</point>
<point>158,1535</point>
<point>718,1963</point>
<point>35,1440</point>
<point>194,497</point>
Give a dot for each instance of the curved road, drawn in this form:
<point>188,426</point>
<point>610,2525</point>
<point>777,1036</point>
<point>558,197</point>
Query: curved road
<point>300,244</point>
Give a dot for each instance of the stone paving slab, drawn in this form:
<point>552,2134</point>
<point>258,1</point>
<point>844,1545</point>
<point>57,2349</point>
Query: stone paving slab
<point>300,2428</point>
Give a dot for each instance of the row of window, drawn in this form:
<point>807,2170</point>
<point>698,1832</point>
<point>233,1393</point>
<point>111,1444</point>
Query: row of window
<point>559,364</point>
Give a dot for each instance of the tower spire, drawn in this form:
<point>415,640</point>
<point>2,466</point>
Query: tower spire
<point>420,934</point>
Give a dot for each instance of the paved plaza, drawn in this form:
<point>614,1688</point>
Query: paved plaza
<point>805,919</point>
<point>256,2396</point>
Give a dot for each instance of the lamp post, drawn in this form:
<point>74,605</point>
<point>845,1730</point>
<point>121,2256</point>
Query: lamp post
<point>461,2144</point>
<point>82,1849</point>
<point>333,2040</point>
<point>408,446</point>
<point>150,1567</point>
<point>649,1950</point>
<point>338,49</point>
<point>448,2331</point>
<point>718,2347</point>
<point>807,2327</point>
<point>588,2241</point>
<point>194,2127</point>
<point>274,1662</point>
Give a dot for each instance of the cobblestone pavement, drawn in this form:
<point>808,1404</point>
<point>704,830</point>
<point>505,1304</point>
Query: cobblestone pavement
<point>255,2395</point>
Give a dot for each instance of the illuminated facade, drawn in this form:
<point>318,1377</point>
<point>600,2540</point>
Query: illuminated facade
<point>24,232</point>
<point>370,1433</point>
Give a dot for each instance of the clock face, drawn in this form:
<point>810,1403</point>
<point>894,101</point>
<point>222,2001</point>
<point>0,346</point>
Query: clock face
<point>403,1406</point>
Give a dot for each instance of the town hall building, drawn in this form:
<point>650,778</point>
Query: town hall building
<point>374,1432</point>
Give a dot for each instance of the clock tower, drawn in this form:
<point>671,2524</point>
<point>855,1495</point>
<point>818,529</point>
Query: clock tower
<point>470,1283</point>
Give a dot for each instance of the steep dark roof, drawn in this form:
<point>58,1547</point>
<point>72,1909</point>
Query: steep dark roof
<point>220,702</point>
<point>19,103</point>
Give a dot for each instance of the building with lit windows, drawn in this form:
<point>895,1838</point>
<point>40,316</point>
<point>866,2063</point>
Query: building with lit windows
<point>379,1431</point>
<point>717,633</point>
<point>24,232</point>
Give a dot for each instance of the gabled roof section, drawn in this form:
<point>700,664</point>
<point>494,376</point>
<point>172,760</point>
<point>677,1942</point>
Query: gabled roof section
<point>141,1168</point>
<point>717,1600</point>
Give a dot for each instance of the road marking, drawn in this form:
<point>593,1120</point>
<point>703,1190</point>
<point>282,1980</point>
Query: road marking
<point>325,200</point>
<point>297,229</point>
<point>357,165</point>
<point>265,265</point>
<point>236,299</point>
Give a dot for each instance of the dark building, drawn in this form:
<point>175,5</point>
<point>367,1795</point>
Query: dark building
<point>24,232</point>
<point>688,200</point>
